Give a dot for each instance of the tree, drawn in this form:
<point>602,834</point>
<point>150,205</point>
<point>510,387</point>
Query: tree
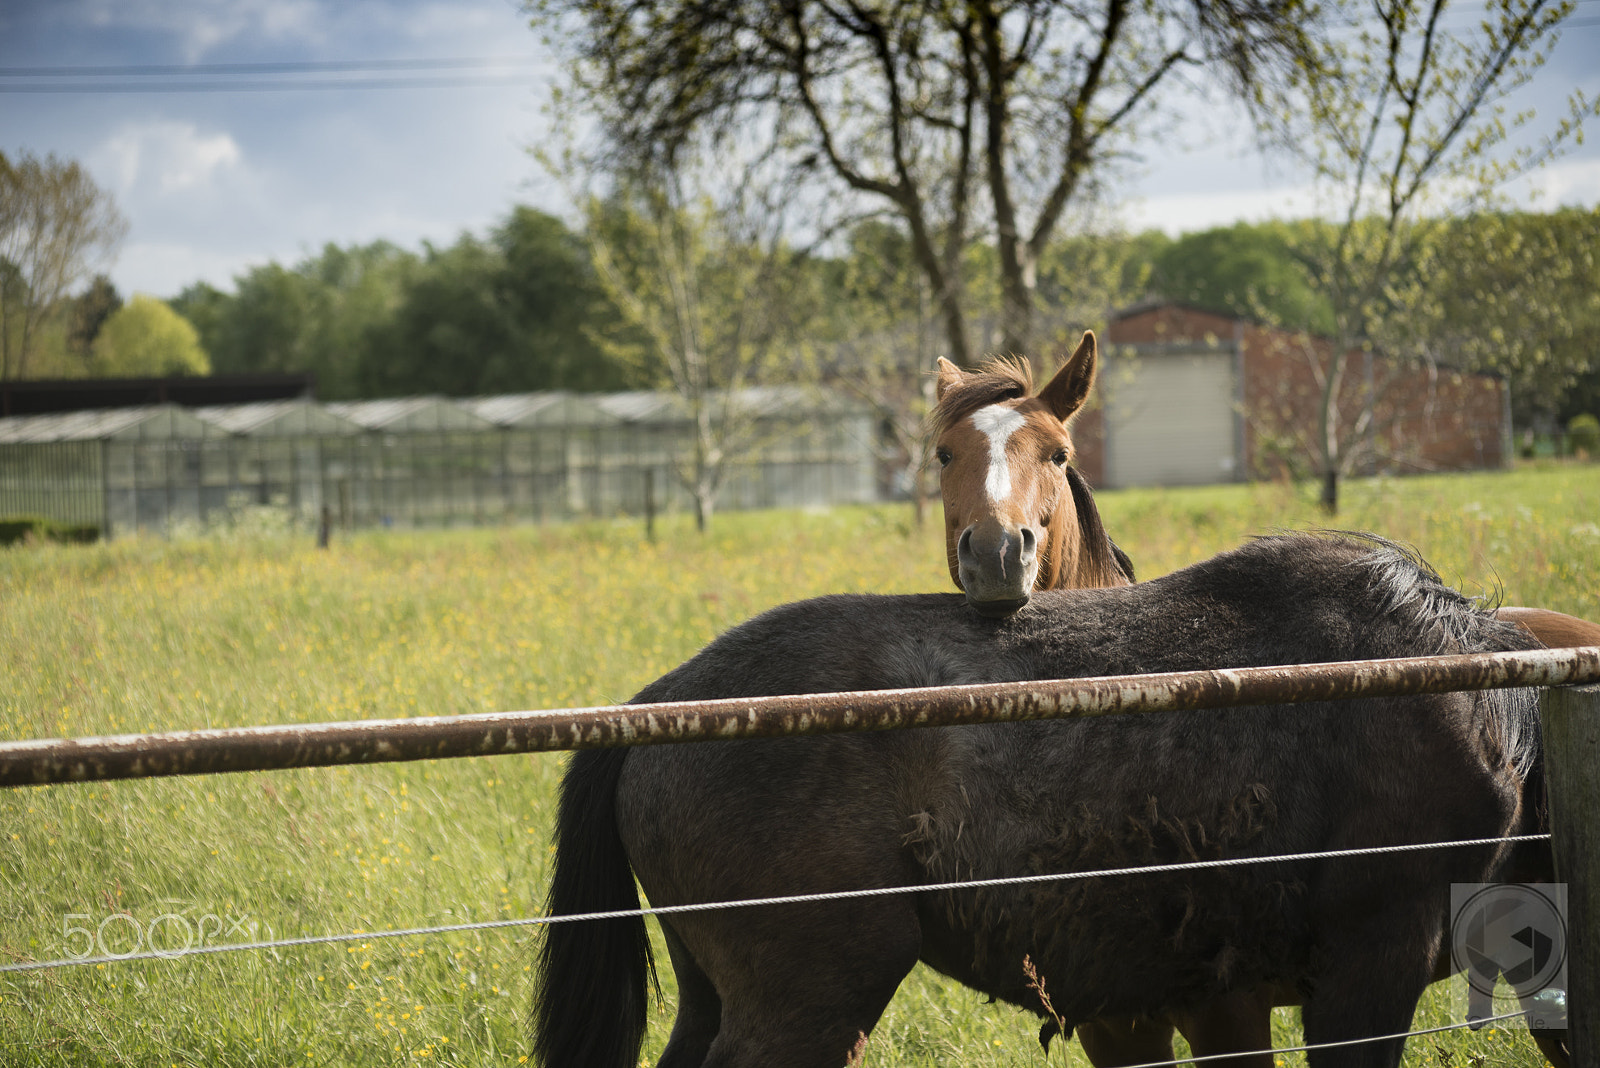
<point>88,314</point>
<point>1523,299</point>
<point>147,338</point>
<point>1246,270</point>
<point>55,225</point>
<point>501,314</point>
<point>313,316</point>
<point>713,300</point>
<point>552,292</point>
<point>879,339</point>
<point>1404,125</point>
<point>509,314</point>
<point>961,119</point>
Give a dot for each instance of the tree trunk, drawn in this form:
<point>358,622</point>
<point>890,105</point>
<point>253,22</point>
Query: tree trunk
<point>1332,454</point>
<point>955,327</point>
<point>919,495</point>
<point>1017,310</point>
<point>704,504</point>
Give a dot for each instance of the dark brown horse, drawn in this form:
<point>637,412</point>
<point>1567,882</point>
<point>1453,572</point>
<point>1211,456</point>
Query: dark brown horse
<point>1008,485</point>
<point>802,984</point>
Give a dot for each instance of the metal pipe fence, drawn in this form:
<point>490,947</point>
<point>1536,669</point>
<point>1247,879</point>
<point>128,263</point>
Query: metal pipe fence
<point>135,756</point>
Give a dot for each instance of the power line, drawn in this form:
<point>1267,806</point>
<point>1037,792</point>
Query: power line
<point>311,85</point>
<point>270,77</point>
<point>287,67</point>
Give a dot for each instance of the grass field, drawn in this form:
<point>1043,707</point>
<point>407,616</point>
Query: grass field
<point>145,635</point>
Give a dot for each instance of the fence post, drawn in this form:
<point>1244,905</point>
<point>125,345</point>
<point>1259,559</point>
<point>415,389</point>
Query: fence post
<point>1571,720</point>
<point>650,504</point>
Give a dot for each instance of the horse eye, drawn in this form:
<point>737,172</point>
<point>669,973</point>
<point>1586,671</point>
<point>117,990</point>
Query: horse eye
<point>943,455</point>
<point>1059,458</point>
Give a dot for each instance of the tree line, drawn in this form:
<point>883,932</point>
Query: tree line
<point>507,312</point>
<point>531,306</point>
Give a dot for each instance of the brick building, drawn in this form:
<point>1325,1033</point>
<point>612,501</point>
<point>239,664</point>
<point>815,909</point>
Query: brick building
<point>1191,397</point>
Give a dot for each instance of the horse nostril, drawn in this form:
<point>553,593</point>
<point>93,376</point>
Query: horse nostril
<point>964,545</point>
<point>1028,542</point>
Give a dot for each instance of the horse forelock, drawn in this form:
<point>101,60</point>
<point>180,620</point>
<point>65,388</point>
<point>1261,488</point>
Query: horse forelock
<point>998,379</point>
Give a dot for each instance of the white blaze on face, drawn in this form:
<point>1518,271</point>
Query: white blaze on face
<point>998,423</point>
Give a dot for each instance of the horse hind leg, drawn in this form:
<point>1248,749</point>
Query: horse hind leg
<point>1369,987</point>
<point>1239,1023</point>
<point>699,1009</point>
<point>1115,1041</point>
<point>814,988</point>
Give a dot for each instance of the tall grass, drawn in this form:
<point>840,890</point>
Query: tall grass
<point>145,635</point>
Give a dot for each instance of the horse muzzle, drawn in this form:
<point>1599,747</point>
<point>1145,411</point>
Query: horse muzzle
<point>997,565</point>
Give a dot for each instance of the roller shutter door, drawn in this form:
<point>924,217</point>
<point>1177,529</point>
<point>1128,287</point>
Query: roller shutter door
<point>1170,418</point>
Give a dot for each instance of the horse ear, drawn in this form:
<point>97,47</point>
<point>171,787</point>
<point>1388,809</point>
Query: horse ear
<point>1070,387</point>
<point>949,375</point>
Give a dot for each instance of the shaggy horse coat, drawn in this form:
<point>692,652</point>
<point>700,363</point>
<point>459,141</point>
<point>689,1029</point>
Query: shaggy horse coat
<point>804,984</point>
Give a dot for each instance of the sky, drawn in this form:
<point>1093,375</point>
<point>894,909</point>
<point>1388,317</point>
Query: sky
<point>213,182</point>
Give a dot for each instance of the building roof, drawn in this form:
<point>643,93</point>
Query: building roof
<point>42,396</point>
<point>408,414</point>
<point>285,418</point>
<point>162,422</point>
<point>768,401</point>
<point>303,417</point>
<point>538,409</point>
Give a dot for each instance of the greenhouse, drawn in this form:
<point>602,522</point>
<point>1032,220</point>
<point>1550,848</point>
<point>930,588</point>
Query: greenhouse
<point>427,461</point>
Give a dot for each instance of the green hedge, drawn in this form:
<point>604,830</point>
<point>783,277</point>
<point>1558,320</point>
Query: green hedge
<point>14,529</point>
<point>1583,433</point>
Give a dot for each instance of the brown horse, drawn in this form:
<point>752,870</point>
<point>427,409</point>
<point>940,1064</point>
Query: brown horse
<point>1008,488</point>
<point>1018,516</point>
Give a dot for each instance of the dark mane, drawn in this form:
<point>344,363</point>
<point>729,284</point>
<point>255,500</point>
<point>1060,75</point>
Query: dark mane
<point>999,379</point>
<point>1102,559</point>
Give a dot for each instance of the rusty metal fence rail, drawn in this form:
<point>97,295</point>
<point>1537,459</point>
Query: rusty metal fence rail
<point>198,752</point>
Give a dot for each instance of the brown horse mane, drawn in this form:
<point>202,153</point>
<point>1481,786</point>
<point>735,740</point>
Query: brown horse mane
<point>998,379</point>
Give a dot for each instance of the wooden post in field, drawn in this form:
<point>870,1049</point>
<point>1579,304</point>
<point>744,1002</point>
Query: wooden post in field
<point>1571,718</point>
<point>650,504</point>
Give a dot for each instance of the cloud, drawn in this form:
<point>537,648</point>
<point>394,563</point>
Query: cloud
<point>166,268</point>
<point>199,26</point>
<point>1178,213</point>
<point>1571,182</point>
<point>172,155</point>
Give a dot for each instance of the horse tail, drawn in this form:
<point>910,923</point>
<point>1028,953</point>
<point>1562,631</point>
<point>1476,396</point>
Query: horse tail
<point>590,998</point>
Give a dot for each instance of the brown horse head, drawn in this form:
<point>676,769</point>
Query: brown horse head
<point>1017,516</point>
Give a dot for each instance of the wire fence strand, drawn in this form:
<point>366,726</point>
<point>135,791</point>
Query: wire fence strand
<point>1473,1024</point>
<point>786,899</point>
